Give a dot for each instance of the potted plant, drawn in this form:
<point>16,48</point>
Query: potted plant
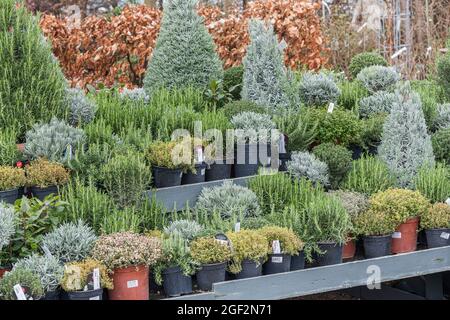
<point>30,284</point>
<point>197,173</point>
<point>7,230</point>
<point>176,266</point>
<point>79,280</point>
<point>436,222</point>
<point>44,177</point>
<point>249,252</point>
<point>282,245</point>
<point>127,256</point>
<point>11,179</point>
<point>212,255</point>
<point>219,162</point>
<point>404,208</point>
<point>376,229</point>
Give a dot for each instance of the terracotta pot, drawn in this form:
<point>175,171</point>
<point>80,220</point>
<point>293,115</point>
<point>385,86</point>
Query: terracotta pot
<point>3,270</point>
<point>404,238</point>
<point>349,249</point>
<point>130,284</point>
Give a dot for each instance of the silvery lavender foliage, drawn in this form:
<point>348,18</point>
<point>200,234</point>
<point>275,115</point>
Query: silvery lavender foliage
<point>123,3</point>
<point>7,224</point>
<point>305,164</point>
<point>442,120</point>
<point>70,241</point>
<point>265,76</point>
<point>49,270</point>
<point>253,126</point>
<point>378,78</point>
<point>381,101</point>
<point>186,229</point>
<point>82,110</point>
<point>56,141</point>
<point>137,94</point>
<point>405,145</point>
<point>318,89</point>
<point>229,200</point>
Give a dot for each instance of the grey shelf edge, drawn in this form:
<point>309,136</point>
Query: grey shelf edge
<point>179,197</point>
<point>329,278</point>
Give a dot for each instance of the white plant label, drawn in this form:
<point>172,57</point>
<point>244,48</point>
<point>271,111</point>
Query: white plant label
<point>222,242</point>
<point>95,298</point>
<point>330,107</point>
<point>277,259</point>
<point>96,278</point>
<point>282,145</point>
<point>445,235</point>
<point>132,284</point>
<point>397,235</point>
<point>19,292</point>
<point>203,172</point>
<point>448,201</point>
<point>276,248</point>
<point>199,151</point>
<point>237,227</point>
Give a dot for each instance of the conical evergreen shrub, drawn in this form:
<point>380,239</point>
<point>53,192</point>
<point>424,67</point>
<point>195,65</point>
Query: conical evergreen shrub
<point>185,52</point>
<point>32,85</point>
<point>406,145</point>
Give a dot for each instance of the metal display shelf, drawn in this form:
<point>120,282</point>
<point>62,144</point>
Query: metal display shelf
<point>426,264</point>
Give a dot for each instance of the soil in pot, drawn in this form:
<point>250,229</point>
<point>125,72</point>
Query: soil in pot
<point>250,269</point>
<point>332,254</point>
<point>42,193</point>
<point>246,160</point>
<point>9,196</point>
<point>197,177</point>
<point>277,263</point>
<point>349,249</point>
<point>83,295</point>
<point>130,283</point>
<point>218,171</point>
<point>404,238</point>
<point>377,246</point>
<point>298,262</point>
<point>438,237</point>
<point>176,283</point>
<point>164,177</point>
<point>209,274</point>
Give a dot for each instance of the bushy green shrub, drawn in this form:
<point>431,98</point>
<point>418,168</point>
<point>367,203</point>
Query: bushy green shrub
<point>372,130</point>
<point>184,54</point>
<point>136,94</point>
<point>207,250</point>
<point>431,94</point>
<point>253,127</point>
<point>373,223</point>
<point>306,165</point>
<point>247,245</point>
<point>437,217</point>
<point>441,145</point>
<point>127,219</point>
<point>318,89</point>
<point>186,229</point>
<point>378,78</point>
<point>9,153</point>
<point>26,279</point>
<point>11,178</point>
<point>442,118</point>
<point>7,224</point>
<point>351,93</point>
<point>235,107</point>
<point>82,110</point>
<point>364,60</point>
<point>443,73</point>
<point>354,202</point>
<point>232,81</point>
<point>77,275</point>
<point>42,173</point>
<point>254,223</point>
<point>289,241</point>
<point>338,160</point>
<point>379,102</point>
<point>434,183</point>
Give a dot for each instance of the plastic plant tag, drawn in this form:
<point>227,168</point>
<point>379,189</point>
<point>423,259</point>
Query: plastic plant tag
<point>330,107</point>
<point>276,246</point>
<point>282,144</point>
<point>199,153</point>
<point>95,298</point>
<point>447,201</point>
<point>132,284</point>
<point>203,172</point>
<point>277,259</point>
<point>237,227</point>
<point>96,278</point>
<point>445,235</point>
<point>397,235</point>
<point>18,290</point>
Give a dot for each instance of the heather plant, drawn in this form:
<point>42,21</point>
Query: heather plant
<point>437,217</point>
<point>77,274</point>
<point>441,145</point>
<point>70,241</point>
<point>379,102</point>
<point>42,173</point>
<point>354,202</point>
<point>434,183</point>
<point>378,78</point>
<point>7,224</point>
<point>126,249</point>
<point>55,141</point>
<point>82,110</point>
<point>289,241</point>
<point>265,77</point>
<point>207,250</point>
<point>252,127</point>
<point>185,229</point>
<point>406,146</point>
<point>338,160</point>
<point>236,107</point>
<point>318,89</point>
<point>228,200</point>
<point>26,279</point>
<point>182,34</point>
<point>442,118</point>
<point>364,60</point>
<point>9,153</point>
<point>306,165</point>
<point>11,178</point>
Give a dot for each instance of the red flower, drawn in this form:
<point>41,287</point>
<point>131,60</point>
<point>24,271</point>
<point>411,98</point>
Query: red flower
<point>19,164</point>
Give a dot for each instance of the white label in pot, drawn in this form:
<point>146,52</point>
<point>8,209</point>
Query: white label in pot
<point>276,248</point>
<point>237,227</point>
<point>277,260</point>
<point>132,284</point>
<point>96,278</point>
<point>448,201</point>
<point>203,172</point>
<point>445,235</point>
<point>330,107</point>
<point>397,235</point>
<point>19,292</point>
<point>95,298</point>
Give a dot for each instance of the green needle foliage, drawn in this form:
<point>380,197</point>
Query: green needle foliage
<point>434,183</point>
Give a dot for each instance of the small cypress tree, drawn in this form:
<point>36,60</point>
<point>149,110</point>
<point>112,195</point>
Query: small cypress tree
<point>405,145</point>
<point>185,53</point>
<point>265,75</point>
<point>32,86</point>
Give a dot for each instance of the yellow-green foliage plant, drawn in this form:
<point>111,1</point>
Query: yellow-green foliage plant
<point>373,223</point>
<point>43,173</point>
<point>76,275</point>
<point>289,242</point>
<point>11,178</point>
<point>207,250</point>
<point>437,217</point>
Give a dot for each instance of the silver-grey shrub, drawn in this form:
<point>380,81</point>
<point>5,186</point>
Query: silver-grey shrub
<point>378,78</point>
<point>253,126</point>
<point>186,229</point>
<point>70,241</point>
<point>305,164</point>
<point>82,110</point>
<point>442,119</point>
<point>137,94</point>
<point>7,224</point>
<point>228,200</point>
<point>379,102</point>
<point>318,89</point>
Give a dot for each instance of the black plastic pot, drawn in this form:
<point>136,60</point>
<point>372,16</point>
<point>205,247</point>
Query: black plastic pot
<point>298,262</point>
<point>153,286</point>
<point>209,274</point>
<point>277,263</point>
<point>438,237</point>
<point>332,254</point>
<point>164,177</point>
<point>246,160</point>
<point>175,282</point>
<point>284,158</point>
<point>250,269</point>
<point>42,193</point>
<point>357,151</point>
<point>218,171</point>
<point>9,196</point>
<point>83,295</point>
<point>52,295</point>
<point>197,177</point>
<point>377,246</point>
